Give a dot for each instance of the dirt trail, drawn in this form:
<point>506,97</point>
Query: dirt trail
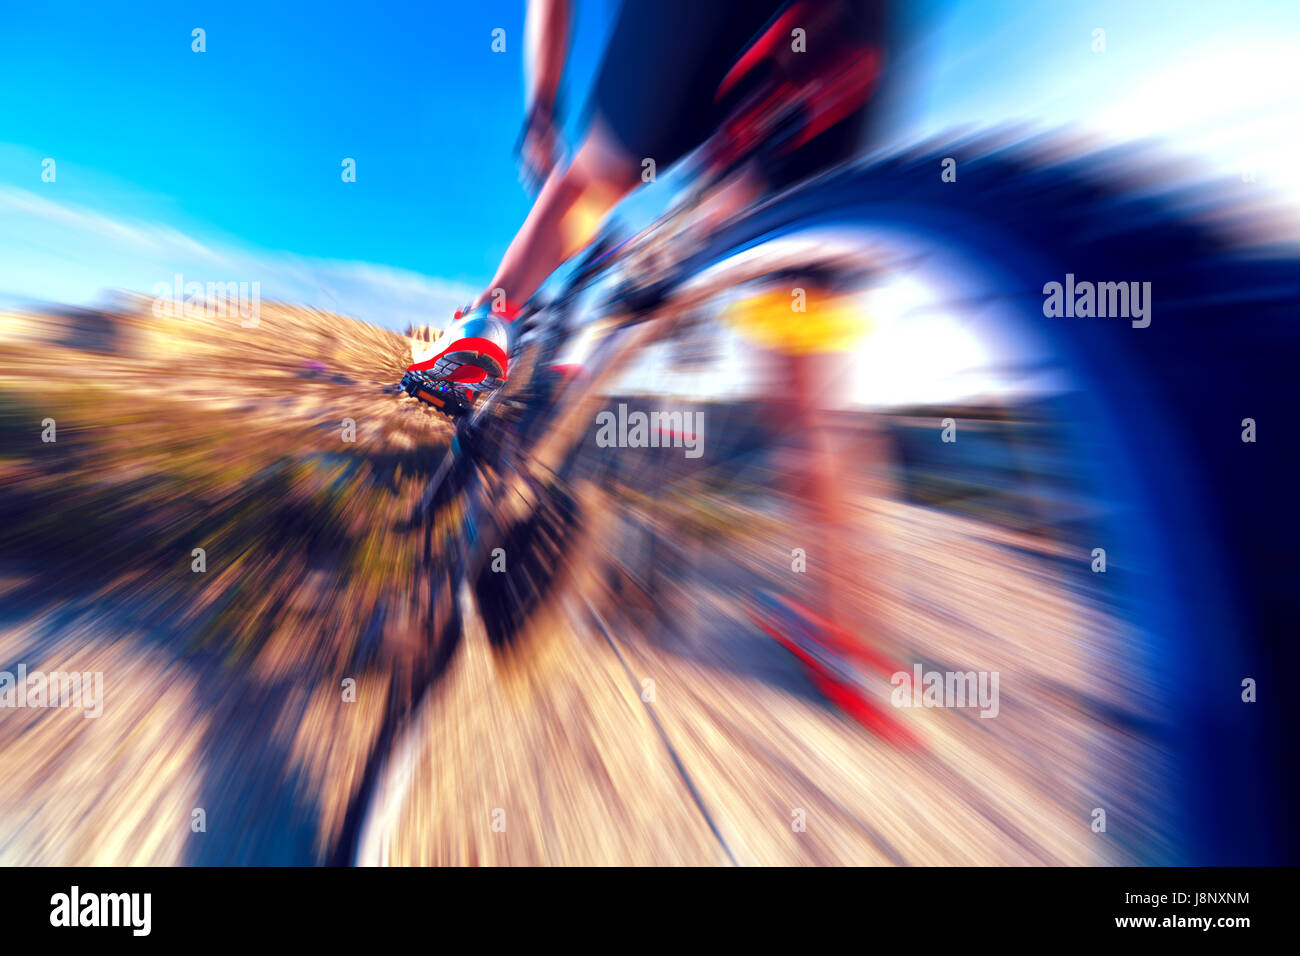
<point>225,687</point>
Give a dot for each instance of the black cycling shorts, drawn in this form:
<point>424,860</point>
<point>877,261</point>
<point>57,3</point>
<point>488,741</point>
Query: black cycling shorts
<point>655,89</point>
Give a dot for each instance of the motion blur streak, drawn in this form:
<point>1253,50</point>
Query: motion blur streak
<point>508,719</point>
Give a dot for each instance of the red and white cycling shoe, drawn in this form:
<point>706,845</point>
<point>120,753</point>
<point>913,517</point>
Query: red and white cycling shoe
<point>478,347</point>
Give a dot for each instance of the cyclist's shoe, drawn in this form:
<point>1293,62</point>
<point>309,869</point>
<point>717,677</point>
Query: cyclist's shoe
<point>851,674</point>
<point>477,353</point>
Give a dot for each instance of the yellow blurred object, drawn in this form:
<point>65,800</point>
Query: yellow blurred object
<point>829,322</point>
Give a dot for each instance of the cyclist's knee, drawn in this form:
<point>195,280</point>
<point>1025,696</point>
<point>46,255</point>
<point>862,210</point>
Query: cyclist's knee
<point>600,175</point>
<point>602,169</point>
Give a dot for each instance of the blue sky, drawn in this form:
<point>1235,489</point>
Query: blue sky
<point>226,164</point>
<point>247,138</point>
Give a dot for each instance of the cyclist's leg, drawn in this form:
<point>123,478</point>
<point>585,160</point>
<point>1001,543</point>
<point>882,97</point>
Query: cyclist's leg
<point>566,215</point>
<point>830,473</point>
<point>842,583</point>
<point>653,99</point>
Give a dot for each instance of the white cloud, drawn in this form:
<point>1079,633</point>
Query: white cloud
<point>55,252</point>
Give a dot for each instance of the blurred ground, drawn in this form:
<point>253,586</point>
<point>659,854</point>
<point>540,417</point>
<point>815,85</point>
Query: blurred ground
<point>223,688</point>
<point>183,433</point>
<point>559,735</point>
